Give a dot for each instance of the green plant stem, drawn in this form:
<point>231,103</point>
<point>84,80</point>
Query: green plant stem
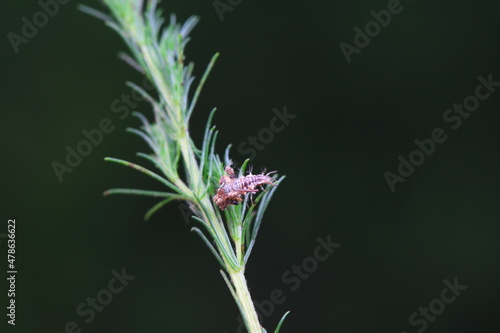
<point>242,292</point>
<point>247,307</point>
<point>160,55</point>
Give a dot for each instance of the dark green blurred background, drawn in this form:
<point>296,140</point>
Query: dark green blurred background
<point>353,120</point>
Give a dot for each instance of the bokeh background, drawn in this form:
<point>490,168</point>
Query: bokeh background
<point>353,121</point>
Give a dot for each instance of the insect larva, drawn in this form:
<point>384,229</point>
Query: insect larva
<point>232,188</point>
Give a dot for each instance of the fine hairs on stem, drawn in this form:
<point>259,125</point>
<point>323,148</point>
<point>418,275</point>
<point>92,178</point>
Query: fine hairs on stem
<point>157,50</point>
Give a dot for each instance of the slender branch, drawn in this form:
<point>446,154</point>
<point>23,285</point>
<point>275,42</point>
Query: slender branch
<point>158,52</point>
<point>247,307</point>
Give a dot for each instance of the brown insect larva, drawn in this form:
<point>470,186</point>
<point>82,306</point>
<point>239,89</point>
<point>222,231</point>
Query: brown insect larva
<point>232,188</point>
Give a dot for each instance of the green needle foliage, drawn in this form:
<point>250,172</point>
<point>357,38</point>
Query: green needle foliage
<point>157,51</point>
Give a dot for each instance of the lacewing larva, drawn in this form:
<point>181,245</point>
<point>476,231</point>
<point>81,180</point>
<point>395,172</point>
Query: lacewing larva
<point>233,188</point>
